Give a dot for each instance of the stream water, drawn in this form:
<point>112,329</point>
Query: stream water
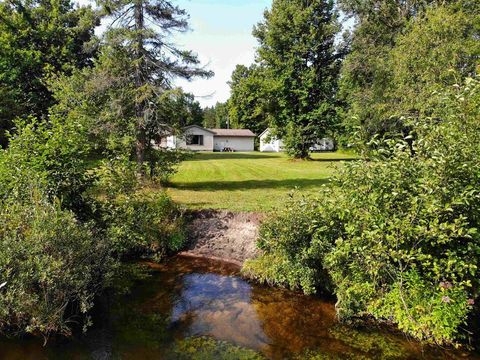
<point>199,309</point>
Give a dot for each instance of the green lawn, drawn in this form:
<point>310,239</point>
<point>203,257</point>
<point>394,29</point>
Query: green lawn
<point>249,181</point>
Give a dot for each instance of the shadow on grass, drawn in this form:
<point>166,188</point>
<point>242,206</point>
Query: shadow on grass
<point>250,184</point>
<point>335,159</point>
<point>225,155</point>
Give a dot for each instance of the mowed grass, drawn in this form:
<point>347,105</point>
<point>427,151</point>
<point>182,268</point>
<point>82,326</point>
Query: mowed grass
<point>249,181</point>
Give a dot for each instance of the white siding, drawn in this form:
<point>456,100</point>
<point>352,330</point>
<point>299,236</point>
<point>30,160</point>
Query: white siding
<point>270,143</point>
<point>207,140</point>
<point>235,142</point>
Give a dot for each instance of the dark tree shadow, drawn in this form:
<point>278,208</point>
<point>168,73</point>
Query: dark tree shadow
<point>250,184</point>
<point>335,159</point>
<point>225,155</point>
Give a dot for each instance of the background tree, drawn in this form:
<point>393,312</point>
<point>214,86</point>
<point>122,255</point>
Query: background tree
<point>216,116</point>
<point>401,52</point>
<point>137,45</point>
<point>38,38</point>
<point>249,102</point>
<point>297,49</point>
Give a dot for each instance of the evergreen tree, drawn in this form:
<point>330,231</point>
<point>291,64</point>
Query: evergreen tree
<point>144,59</point>
<point>216,116</point>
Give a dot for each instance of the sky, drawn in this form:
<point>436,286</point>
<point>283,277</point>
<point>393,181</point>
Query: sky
<point>221,35</point>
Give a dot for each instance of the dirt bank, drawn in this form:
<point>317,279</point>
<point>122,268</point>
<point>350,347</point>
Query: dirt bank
<point>220,234</point>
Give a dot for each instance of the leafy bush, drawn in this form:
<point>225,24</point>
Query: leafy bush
<point>292,259</point>
<point>143,224</point>
<point>397,234</point>
<point>115,176</point>
<point>55,154</point>
<point>52,265</point>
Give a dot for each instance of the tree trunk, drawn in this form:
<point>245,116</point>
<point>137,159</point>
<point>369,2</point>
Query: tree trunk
<point>141,135</point>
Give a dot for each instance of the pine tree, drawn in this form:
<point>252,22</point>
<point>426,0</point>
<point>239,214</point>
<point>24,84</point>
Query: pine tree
<point>138,36</point>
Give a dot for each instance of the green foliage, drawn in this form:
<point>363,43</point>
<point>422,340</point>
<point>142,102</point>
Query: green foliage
<point>144,224</point>
<point>204,348</point>
<point>55,154</point>
<point>53,266</point>
<point>38,38</point>
<point>295,247</point>
<point>273,269</point>
<point>216,116</point>
<point>115,177</point>
<point>402,52</point>
<point>249,103</point>
<point>297,50</point>
<point>438,49</point>
<point>397,234</point>
<point>140,61</point>
<point>425,311</point>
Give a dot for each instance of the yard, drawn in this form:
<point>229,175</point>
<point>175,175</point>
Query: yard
<point>249,181</point>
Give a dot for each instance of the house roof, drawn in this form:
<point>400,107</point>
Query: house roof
<point>199,127</point>
<point>233,132</point>
<point>264,131</point>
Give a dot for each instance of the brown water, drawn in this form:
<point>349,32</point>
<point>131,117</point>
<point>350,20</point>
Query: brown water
<point>199,309</point>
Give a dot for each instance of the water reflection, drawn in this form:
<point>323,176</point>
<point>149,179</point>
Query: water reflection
<point>192,309</point>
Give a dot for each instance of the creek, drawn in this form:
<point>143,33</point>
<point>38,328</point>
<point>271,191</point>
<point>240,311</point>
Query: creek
<point>190,308</point>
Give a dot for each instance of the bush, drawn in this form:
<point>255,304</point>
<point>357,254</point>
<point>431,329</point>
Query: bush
<point>143,224</point>
<point>397,234</point>
<point>54,153</point>
<point>52,265</point>
<point>294,258</point>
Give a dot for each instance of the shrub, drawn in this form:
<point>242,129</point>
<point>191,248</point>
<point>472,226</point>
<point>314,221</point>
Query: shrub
<point>397,233</point>
<point>294,256</point>
<point>54,153</point>
<point>115,176</point>
<point>143,224</point>
<point>52,265</point>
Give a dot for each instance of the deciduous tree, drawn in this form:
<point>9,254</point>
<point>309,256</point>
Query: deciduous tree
<point>38,38</point>
<point>297,49</point>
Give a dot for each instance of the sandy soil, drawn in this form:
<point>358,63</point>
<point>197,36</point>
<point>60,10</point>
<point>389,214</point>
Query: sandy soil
<point>220,234</point>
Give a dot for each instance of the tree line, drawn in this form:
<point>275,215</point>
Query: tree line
<point>311,79</point>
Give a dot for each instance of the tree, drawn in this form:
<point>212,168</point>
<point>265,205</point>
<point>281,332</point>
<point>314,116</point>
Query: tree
<point>297,50</point>
<point>144,61</point>
<point>439,49</point>
<point>400,53</point>
<point>216,116</point>
<point>38,38</point>
<point>248,105</point>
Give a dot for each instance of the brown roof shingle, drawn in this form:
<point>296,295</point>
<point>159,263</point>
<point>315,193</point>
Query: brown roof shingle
<point>233,132</point>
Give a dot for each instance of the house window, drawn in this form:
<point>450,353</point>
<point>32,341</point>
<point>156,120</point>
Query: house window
<point>195,140</point>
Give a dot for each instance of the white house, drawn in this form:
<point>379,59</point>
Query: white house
<point>235,139</point>
<point>197,138</point>
<point>270,143</point>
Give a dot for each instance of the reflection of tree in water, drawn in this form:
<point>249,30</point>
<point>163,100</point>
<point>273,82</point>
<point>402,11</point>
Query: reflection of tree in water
<point>306,327</point>
<point>193,307</point>
<point>218,306</point>
<point>294,322</point>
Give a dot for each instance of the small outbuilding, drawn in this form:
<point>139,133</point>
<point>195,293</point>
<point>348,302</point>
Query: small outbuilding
<point>197,138</point>
<point>269,142</point>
